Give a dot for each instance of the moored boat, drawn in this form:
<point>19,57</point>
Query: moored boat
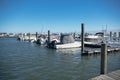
<point>95,41</point>
<point>66,41</point>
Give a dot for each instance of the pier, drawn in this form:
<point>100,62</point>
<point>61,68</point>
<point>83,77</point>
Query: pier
<point>115,75</point>
<point>94,52</point>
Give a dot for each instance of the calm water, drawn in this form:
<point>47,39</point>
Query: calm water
<point>27,61</point>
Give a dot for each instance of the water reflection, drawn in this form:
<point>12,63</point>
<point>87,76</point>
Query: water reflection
<point>69,51</point>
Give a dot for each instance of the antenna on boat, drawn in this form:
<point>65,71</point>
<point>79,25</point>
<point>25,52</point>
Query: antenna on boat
<point>106,29</point>
<point>102,28</point>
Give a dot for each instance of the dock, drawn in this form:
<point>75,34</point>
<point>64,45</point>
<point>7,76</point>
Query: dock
<point>94,52</point>
<point>115,75</point>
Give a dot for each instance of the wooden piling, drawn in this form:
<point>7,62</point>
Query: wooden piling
<point>103,59</point>
<point>29,36</point>
<point>74,35</point>
<point>23,36</point>
<point>60,37</point>
<point>36,35</point>
<point>82,38</point>
<point>48,36</point>
<point>119,34</point>
<point>110,35</point>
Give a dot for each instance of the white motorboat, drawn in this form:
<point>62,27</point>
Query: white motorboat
<point>75,44</point>
<point>66,41</point>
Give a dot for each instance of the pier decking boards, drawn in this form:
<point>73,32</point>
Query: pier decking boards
<point>115,75</point>
<point>94,52</point>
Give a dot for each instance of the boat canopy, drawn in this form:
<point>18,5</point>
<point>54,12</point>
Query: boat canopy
<point>67,38</point>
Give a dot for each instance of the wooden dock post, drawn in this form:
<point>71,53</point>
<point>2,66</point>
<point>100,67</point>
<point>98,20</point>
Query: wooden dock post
<point>119,34</point>
<point>74,35</point>
<point>23,36</point>
<point>61,37</point>
<point>48,36</point>
<point>110,35</point>
<point>29,36</point>
<point>103,58</point>
<point>36,35</point>
<point>82,38</point>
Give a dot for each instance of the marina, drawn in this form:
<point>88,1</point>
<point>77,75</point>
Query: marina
<point>79,48</point>
<point>60,40</point>
<point>65,41</point>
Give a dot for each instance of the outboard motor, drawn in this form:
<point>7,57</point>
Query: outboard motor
<point>38,42</point>
<point>53,43</point>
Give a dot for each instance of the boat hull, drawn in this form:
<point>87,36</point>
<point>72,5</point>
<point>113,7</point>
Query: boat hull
<point>68,45</point>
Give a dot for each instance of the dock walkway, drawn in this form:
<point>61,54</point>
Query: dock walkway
<point>115,75</point>
<point>94,52</point>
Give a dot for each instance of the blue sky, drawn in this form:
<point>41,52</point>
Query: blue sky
<point>59,15</point>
